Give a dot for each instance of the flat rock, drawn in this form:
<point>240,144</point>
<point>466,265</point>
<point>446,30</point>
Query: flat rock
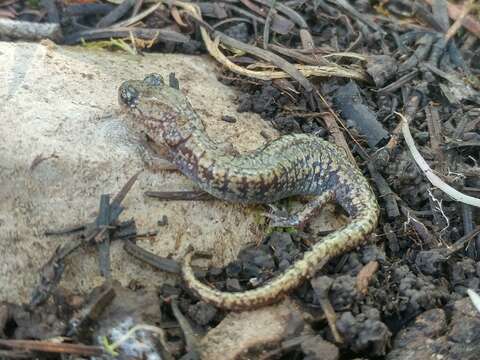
<point>63,144</point>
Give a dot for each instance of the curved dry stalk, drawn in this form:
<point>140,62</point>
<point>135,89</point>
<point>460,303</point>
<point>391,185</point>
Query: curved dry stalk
<point>306,70</point>
<point>427,170</point>
<point>139,16</point>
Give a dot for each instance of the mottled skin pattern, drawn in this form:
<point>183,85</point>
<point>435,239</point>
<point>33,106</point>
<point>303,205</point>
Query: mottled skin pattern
<point>290,165</point>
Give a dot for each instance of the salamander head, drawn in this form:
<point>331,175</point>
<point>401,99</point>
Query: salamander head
<point>153,106</point>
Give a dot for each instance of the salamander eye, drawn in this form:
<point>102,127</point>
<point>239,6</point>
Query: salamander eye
<point>128,95</point>
<point>154,80</point>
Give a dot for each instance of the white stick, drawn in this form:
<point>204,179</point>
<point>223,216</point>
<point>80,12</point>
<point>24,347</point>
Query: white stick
<point>434,179</point>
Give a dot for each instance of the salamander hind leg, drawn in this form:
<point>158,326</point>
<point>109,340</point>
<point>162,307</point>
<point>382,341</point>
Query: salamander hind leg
<point>299,218</point>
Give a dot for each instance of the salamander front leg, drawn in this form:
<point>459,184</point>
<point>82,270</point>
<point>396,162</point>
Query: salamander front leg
<point>155,155</point>
<point>298,219</point>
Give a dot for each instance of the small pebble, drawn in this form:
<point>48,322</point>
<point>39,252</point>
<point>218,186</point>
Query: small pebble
<point>202,313</point>
<point>233,269</point>
<point>233,285</point>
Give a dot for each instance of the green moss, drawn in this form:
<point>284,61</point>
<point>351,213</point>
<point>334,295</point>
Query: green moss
<point>33,4</point>
<point>112,44</point>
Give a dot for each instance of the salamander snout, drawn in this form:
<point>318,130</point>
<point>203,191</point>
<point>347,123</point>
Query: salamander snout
<point>128,95</point>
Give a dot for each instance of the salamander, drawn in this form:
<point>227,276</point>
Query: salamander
<point>296,164</point>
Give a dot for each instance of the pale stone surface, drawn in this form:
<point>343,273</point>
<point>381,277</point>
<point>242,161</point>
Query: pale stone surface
<point>60,104</point>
